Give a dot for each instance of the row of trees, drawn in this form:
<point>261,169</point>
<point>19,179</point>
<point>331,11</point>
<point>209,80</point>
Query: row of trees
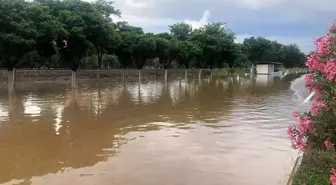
<point>73,33</point>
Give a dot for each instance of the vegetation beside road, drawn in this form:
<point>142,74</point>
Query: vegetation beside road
<point>315,132</point>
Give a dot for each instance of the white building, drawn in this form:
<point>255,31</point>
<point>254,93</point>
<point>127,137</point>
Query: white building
<point>266,68</point>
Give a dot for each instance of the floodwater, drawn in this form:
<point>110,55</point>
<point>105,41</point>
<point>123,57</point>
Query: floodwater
<point>228,131</point>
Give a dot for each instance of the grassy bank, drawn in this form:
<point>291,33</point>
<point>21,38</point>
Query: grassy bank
<point>315,168</point>
<point>294,70</point>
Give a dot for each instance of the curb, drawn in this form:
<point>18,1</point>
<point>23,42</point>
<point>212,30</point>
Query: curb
<point>295,168</point>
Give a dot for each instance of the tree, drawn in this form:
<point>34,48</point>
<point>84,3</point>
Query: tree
<point>103,37</point>
<point>24,27</point>
<point>100,30</point>
<point>293,57</point>
<point>217,43</point>
<point>241,54</point>
<point>144,47</point>
<point>263,50</point>
<point>106,8</point>
<point>188,52</point>
<point>164,35</point>
<point>82,22</point>
<point>123,26</point>
<point>181,30</point>
<point>72,33</point>
<point>161,52</point>
<point>257,48</point>
<point>124,49</point>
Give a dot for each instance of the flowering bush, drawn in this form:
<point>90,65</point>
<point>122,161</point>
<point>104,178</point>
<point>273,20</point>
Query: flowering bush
<point>333,177</point>
<point>316,128</point>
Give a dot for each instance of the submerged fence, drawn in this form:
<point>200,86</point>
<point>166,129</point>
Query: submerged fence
<point>65,74</point>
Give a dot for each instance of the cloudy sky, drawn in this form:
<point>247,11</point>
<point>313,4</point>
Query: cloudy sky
<point>287,21</point>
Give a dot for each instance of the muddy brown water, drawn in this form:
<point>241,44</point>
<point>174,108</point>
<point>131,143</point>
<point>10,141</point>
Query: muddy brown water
<point>219,132</point>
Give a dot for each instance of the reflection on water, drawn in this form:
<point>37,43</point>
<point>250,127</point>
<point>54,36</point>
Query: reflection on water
<point>213,131</point>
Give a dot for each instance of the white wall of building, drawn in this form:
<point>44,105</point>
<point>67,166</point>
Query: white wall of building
<point>265,68</point>
<point>270,68</point>
<point>262,68</point>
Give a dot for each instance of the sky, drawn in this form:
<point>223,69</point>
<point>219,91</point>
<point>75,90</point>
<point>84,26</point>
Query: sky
<point>286,21</point>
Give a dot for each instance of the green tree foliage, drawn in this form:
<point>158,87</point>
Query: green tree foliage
<point>181,30</point>
<point>263,50</point>
<point>25,27</point>
<point>187,53</point>
<point>162,50</point>
<point>143,49</point>
<point>76,33</point>
<point>125,48</point>
<point>217,44</point>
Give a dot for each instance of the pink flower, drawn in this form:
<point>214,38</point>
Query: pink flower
<point>309,79</point>
<point>323,64</point>
<point>315,107</point>
<point>328,144</point>
<point>329,69</point>
<point>305,124</point>
<point>290,130</point>
<point>295,113</point>
<point>333,177</point>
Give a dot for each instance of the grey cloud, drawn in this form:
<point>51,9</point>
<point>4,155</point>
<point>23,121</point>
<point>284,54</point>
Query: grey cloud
<point>298,21</point>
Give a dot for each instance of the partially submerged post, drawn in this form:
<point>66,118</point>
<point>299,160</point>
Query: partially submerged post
<point>139,71</point>
<point>199,74</point>
<point>186,73</point>
<point>73,79</point>
<point>166,74</point>
<point>311,95</point>
<point>123,74</point>
<point>10,79</point>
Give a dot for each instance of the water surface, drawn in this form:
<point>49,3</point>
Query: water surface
<point>208,132</point>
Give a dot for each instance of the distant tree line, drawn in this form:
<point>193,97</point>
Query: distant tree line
<point>77,34</point>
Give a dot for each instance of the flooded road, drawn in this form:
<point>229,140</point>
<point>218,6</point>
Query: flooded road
<point>223,131</point>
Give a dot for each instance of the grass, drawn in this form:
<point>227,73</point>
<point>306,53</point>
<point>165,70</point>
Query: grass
<point>315,168</point>
<point>294,70</point>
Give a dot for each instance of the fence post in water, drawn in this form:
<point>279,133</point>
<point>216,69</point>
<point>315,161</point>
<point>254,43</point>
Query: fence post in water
<point>166,75</point>
<point>73,79</point>
<point>10,80</point>
<point>124,74</point>
<point>309,97</point>
<point>186,73</point>
<point>199,74</point>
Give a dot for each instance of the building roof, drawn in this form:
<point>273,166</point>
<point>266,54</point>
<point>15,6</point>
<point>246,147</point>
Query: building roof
<point>275,63</point>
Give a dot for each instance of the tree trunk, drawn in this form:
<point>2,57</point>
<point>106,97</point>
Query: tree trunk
<point>186,74</point>
<point>199,74</point>
<point>10,78</point>
<point>166,75</point>
<point>73,79</point>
